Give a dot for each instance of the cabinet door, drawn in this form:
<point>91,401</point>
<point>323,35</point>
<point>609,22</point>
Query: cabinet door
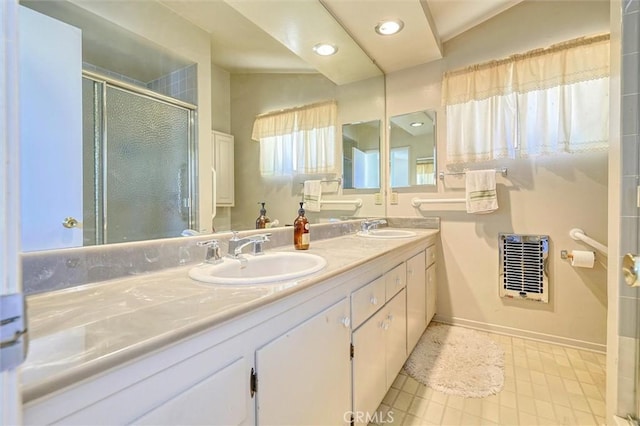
<point>369,364</point>
<point>396,335</point>
<point>432,291</point>
<point>304,375</point>
<point>223,158</point>
<point>217,400</point>
<point>416,299</point>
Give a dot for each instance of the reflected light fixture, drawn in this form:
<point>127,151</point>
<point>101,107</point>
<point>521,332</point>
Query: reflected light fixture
<point>325,49</point>
<point>416,124</point>
<point>389,27</point>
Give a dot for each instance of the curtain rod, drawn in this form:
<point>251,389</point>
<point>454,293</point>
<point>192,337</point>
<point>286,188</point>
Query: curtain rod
<point>298,108</point>
<point>580,41</point>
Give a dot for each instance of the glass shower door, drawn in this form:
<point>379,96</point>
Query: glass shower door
<point>147,185</point>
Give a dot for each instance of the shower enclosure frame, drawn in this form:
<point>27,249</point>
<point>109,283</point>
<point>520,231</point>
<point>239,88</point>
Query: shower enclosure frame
<point>100,141</point>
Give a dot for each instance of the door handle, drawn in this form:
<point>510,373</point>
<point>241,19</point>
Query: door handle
<point>70,222</point>
<point>631,269</point>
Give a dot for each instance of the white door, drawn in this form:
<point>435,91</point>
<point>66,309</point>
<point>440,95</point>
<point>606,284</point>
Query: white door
<point>50,90</point>
<point>304,375</point>
<point>10,401</point>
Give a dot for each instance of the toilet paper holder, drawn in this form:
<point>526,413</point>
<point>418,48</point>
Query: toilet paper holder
<point>564,254</point>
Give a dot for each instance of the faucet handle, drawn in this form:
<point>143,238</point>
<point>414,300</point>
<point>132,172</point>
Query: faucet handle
<point>257,241</point>
<point>213,251</point>
<point>234,237</point>
<point>208,243</point>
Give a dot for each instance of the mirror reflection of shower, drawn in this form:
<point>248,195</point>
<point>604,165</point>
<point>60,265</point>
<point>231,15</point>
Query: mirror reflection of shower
<point>147,140</point>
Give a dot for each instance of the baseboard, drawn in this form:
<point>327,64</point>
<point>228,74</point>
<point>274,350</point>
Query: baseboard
<point>525,334</point>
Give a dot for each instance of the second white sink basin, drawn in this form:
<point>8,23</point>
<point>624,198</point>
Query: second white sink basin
<point>266,268</point>
<point>387,233</point>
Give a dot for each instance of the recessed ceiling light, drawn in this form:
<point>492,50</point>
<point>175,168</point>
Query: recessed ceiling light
<point>389,27</point>
<point>416,124</point>
<point>325,49</point>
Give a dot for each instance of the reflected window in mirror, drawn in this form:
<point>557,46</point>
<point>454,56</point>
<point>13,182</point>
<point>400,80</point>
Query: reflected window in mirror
<point>361,155</point>
<point>412,141</point>
<point>297,141</point>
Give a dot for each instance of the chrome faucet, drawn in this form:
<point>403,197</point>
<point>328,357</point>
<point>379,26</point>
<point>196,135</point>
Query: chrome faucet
<point>237,244</point>
<point>366,225</point>
<point>213,251</point>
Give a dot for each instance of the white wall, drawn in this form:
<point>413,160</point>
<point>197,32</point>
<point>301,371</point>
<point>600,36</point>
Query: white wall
<point>546,195</point>
<point>253,94</point>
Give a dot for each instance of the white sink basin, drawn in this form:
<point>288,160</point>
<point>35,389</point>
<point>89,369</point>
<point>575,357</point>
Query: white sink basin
<point>266,268</point>
<point>387,233</point>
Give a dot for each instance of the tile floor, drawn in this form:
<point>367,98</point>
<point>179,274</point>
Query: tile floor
<point>545,384</point>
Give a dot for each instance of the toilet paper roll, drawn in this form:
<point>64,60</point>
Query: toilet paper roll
<point>582,259</point>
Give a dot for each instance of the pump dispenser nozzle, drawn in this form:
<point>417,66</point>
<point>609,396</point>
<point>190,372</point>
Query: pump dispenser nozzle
<point>262,220</point>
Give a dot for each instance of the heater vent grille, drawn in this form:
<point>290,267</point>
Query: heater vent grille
<point>523,267</point>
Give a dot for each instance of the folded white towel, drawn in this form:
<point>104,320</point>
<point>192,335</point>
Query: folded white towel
<point>312,195</point>
<point>481,191</point>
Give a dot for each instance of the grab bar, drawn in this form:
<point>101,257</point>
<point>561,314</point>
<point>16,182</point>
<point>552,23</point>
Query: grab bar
<point>357,202</point>
<point>503,171</point>
<point>416,202</point>
<point>579,235</point>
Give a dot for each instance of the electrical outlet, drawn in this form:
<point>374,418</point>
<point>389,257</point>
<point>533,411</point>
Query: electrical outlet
<point>378,198</point>
<point>394,198</point>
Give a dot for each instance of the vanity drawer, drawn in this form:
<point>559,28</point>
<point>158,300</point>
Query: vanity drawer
<point>366,301</point>
<point>431,255</point>
<point>395,280</point>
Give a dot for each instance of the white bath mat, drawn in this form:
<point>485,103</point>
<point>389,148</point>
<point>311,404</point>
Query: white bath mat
<point>457,361</point>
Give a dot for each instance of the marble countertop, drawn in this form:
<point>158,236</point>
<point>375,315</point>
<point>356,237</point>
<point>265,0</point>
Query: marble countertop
<point>80,331</point>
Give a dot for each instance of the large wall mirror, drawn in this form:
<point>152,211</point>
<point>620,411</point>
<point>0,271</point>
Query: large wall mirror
<point>412,155</point>
<point>195,64</point>
<point>361,155</point>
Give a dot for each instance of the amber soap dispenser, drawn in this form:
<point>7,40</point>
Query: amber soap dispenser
<point>301,236</point>
<point>262,220</point>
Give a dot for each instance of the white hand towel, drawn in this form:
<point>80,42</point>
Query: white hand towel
<point>312,195</point>
<point>481,191</point>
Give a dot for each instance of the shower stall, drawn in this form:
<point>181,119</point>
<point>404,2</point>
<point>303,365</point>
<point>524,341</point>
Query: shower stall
<point>139,161</point>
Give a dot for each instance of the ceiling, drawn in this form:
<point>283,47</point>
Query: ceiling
<point>278,35</point>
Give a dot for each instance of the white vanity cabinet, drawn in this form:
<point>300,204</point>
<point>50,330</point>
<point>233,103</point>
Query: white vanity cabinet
<point>223,173</point>
<point>304,375</point>
<point>431,290</point>
<point>380,342</point>
<point>219,399</point>
<point>312,357</point>
<point>186,383</point>
<point>416,299</point>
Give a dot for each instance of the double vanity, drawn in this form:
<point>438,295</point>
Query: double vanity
<point>236,341</point>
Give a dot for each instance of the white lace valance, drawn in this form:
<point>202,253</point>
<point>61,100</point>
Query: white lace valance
<point>304,118</point>
<point>574,61</point>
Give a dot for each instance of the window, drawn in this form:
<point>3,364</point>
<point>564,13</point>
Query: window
<point>297,141</point>
<point>541,102</point>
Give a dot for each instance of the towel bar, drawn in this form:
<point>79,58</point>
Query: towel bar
<point>416,202</point>
<point>503,171</point>
<point>356,202</point>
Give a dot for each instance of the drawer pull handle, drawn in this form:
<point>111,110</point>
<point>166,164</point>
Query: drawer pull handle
<point>346,321</point>
<point>374,300</point>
